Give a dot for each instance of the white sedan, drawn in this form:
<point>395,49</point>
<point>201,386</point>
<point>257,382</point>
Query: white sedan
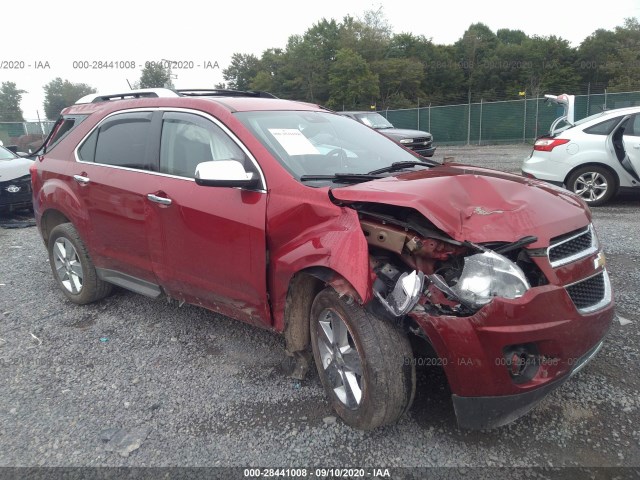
<point>594,157</point>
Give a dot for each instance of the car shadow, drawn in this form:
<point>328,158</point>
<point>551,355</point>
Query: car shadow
<point>628,198</point>
<point>17,219</point>
<point>432,406</point>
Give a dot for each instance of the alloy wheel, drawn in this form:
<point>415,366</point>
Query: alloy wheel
<point>67,265</point>
<point>591,186</point>
<point>340,358</point>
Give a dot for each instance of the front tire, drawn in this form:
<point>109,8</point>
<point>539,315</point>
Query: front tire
<point>72,267</point>
<point>365,363</point>
<point>594,184</point>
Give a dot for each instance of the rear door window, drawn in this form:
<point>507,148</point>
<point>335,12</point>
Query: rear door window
<point>632,126</point>
<point>123,140</point>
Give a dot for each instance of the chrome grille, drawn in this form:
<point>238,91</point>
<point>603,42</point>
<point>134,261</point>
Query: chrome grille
<point>573,246</point>
<point>591,294</point>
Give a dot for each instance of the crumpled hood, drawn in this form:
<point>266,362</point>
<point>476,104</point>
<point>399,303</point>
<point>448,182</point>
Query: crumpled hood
<point>476,204</point>
<point>15,168</point>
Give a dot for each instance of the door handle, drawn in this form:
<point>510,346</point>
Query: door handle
<point>160,200</point>
<point>637,146</point>
<point>81,180</point>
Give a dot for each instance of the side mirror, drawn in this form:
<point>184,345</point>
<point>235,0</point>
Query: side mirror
<point>225,173</point>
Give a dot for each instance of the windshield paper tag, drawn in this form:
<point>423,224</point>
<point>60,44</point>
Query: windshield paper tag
<point>293,141</point>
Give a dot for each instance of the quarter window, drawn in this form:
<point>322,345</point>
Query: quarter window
<point>189,139</point>
<point>63,127</point>
<point>603,128</point>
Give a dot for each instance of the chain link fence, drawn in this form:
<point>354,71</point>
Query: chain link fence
<point>503,122</point>
<point>479,123</point>
<point>25,135</point>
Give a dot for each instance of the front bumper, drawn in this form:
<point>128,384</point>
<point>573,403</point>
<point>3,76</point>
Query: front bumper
<point>476,413</point>
<point>473,350</point>
<point>426,152</point>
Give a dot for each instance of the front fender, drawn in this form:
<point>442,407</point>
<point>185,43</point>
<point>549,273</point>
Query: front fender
<point>331,238</point>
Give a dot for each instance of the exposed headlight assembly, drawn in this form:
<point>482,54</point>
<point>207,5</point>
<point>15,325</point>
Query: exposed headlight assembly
<point>487,275</point>
<point>405,294</point>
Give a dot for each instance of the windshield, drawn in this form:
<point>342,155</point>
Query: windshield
<point>374,120</point>
<point>322,143</point>
<point>6,154</point>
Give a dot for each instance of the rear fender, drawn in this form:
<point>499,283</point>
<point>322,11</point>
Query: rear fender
<point>57,195</point>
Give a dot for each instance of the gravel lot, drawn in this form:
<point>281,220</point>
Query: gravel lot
<point>131,381</point>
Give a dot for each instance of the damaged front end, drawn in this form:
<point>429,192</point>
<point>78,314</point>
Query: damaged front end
<point>416,264</point>
<point>505,322</point>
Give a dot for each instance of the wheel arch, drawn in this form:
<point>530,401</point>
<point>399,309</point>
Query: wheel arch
<point>50,219</point>
<point>303,288</point>
<point>56,203</point>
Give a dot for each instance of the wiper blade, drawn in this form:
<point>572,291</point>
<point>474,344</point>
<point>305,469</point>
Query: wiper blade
<point>399,166</point>
<point>342,177</point>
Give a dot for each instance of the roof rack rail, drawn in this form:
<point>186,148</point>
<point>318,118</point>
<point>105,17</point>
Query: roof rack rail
<point>141,93</point>
<point>218,92</point>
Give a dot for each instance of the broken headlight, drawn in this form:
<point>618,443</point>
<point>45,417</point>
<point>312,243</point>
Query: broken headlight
<point>487,275</point>
<point>403,296</point>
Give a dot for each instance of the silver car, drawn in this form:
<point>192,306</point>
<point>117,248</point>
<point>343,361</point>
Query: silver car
<point>595,157</point>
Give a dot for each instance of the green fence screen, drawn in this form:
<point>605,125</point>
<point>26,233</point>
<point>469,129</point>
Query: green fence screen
<point>512,121</point>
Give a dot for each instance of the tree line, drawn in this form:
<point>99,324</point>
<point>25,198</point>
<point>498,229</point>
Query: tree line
<point>359,63</point>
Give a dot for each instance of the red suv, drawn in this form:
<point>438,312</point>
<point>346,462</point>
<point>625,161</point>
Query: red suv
<point>293,218</point>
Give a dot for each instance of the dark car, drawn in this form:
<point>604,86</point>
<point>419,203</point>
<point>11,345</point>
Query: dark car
<point>15,181</point>
<point>295,219</point>
<point>416,140</point>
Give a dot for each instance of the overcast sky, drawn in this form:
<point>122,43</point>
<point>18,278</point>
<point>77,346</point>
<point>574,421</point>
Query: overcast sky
<point>36,32</point>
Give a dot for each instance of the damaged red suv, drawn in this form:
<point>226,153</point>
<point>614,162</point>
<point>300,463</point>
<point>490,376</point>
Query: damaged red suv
<point>290,217</point>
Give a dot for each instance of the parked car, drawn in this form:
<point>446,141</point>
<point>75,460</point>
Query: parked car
<point>292,218</point>
<point>595,157</point>
<point>15,181</point>
<point>416,140</point>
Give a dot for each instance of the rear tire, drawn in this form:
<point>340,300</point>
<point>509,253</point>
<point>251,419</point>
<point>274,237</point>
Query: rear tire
<point>72,267</point>
<point>365,363</point>
<point>594,184</point>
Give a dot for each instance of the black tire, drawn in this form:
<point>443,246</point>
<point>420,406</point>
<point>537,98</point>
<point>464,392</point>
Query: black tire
<point>388,377</point>
<point>594,184</point>
<point>72,267</point>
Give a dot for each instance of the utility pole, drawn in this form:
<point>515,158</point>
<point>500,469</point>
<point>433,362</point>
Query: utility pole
<point>480,127</point>
<point>171,75</point>
<point>524,123</point>
<point>469,118</point>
